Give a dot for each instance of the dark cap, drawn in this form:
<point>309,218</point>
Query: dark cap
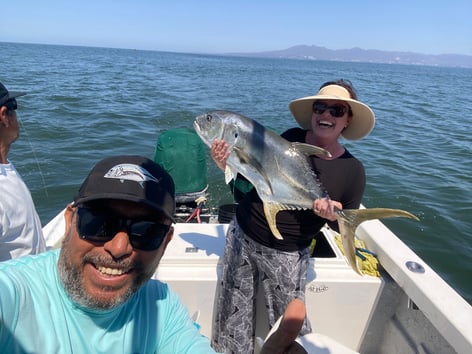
<point>6,95</point>
<point>133,178</point>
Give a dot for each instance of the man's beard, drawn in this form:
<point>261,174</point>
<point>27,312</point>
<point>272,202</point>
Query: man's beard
<point>71,278</point>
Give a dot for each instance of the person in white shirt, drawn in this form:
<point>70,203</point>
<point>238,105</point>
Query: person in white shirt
<point>20,226</point>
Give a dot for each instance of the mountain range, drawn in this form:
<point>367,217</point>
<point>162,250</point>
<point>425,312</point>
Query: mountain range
<point>314,52</point>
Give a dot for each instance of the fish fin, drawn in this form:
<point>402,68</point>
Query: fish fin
<point>229,175</point>
<point>244,158</point>
<point>349,220</point>
<point>270,211</point>
<point>309,150</point>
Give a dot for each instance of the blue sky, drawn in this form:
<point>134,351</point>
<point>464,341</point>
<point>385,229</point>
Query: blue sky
<point>422,26</point>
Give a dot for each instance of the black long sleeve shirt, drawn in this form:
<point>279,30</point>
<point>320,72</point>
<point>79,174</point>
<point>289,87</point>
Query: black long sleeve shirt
<point>343,178</point>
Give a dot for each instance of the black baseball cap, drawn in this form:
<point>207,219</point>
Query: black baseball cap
<point>133,178</point>
<point>6,95</point>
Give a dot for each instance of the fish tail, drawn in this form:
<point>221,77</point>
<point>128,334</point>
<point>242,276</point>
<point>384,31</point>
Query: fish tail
<point>349,220</point>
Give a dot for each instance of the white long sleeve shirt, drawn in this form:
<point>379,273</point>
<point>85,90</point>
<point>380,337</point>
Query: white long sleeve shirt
<point>20,226</point>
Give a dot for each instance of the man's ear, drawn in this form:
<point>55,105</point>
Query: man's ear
<point>68,215</point>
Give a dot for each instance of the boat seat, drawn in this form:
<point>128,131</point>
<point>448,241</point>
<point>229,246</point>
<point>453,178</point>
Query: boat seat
<point>317,343</point>
<point>182,154</point>
<point>313,343</point>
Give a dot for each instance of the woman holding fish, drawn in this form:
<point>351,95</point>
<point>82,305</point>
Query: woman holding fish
<point>252,253</point>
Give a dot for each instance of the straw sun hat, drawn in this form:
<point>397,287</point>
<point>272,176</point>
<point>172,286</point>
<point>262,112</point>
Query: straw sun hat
<point>363,118</point>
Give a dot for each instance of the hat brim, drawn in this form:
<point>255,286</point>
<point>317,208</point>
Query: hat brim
<point>363,118</point>
<point>11,95</point>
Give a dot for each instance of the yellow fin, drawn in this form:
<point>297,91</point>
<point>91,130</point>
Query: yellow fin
<point>349,219</point>
<point>270,211</point>
<point>229,175</point>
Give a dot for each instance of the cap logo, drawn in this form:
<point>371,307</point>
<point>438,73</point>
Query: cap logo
<point>130,172</point>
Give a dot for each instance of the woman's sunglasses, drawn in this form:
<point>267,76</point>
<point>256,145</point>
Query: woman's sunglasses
<point>336,110</point>
<point>101,226</point>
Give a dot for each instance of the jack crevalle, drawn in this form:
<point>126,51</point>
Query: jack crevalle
<point>280,172</point>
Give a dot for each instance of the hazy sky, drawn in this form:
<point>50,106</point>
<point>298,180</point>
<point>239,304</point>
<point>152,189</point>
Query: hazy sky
<point>199,26</point>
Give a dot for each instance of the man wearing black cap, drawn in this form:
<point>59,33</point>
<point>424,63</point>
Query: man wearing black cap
<point>20,226</point>
<point>95,295</point>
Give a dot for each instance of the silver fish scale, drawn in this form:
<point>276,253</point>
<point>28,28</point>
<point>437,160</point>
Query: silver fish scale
<point>280,173</point>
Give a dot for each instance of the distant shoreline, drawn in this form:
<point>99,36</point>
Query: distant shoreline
<point>305,52</point>
<point>365,56</point>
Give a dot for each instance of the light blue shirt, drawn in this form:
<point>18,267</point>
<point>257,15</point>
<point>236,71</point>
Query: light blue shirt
<point>37,316</point>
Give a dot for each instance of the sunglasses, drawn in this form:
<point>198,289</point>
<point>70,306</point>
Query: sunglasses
<point>11,104</point>
<point>102,226</point>
<point>336,110</point>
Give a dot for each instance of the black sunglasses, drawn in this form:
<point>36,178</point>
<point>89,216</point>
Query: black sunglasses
<point>11,104</point>
<point>336,110</point>
<point>101,226</point>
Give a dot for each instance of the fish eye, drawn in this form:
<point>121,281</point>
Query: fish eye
<point>209,117</point>
<point>236,135</point>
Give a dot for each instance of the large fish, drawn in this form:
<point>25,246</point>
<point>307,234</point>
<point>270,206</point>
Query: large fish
<point>280,172</point>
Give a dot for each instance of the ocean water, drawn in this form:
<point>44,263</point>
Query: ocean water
<point>84,104</point>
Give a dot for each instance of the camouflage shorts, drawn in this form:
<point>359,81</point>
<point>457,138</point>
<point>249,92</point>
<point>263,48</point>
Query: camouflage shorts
<point>282,276</point>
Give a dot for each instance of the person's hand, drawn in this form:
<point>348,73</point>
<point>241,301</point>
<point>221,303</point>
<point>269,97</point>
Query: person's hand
<point>219,153</point>
<point>326,207</point>
<point>282,341</point>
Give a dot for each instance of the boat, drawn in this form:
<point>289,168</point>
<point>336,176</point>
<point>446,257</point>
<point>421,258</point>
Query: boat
<point>402,306</point>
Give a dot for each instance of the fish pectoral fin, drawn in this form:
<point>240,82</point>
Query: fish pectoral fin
<point>246,159</point>
<point>270,211</point>
<point>242,156</point>
<point>309,150</point>
<point>349,220</point>
<point>229,175</point>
